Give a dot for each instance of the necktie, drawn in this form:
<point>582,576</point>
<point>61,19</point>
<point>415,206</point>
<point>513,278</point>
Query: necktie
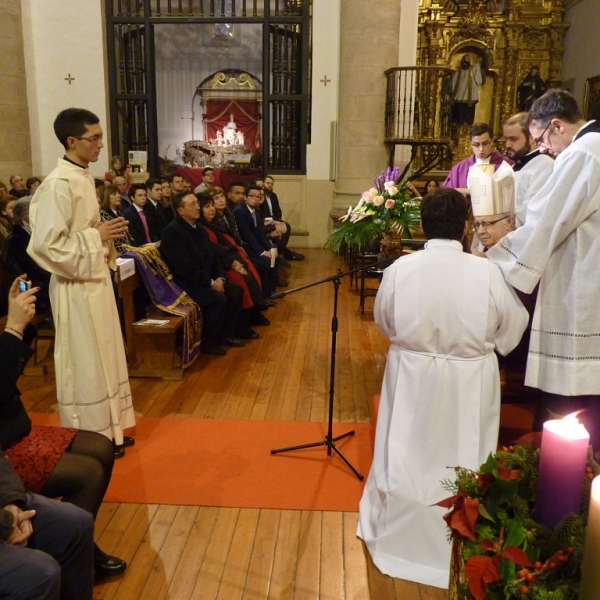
<point>145,224</point>
<point>254,217</point>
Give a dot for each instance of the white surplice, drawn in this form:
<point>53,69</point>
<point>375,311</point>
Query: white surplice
<point>92,382</point>
<point>444,311</point>
<point>559,246</point>
<point>529,180</point>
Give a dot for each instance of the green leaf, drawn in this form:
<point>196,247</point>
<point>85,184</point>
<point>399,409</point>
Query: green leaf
<point>490,465</point>
<point>514,533</point>
<point>485,514</point>
<point>502,491</point>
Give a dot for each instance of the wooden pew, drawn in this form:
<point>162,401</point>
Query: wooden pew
<point>151,350</point>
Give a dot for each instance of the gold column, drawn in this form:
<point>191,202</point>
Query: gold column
<point>15,142</point>
<point>369,45</point>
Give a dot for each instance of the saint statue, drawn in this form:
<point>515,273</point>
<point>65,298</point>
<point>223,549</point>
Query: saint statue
<point>465,94</point>
<point>230,130</point>
<point>530,89</point>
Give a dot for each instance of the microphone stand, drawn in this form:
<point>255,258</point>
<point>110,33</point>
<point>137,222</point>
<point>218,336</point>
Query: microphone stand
<point>329,440</point>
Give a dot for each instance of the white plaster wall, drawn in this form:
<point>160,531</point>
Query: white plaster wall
<point>61,38</point>
<point>326,61</point>
<point>582,46</point>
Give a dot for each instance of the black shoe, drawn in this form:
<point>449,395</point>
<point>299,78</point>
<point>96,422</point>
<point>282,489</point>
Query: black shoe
<point>119,451</point>
<point>250,334</point>
<point>213,350</point>
<point>266,304</point>
<point>283,262</point>
<point>282,282</point>
<point>234,342</point>
<point>291,255</point>
<point>128,441</point>
<point>260,320</point>
<point>106,565</point>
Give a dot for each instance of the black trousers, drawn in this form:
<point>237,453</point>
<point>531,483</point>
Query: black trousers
<point>221,314</point>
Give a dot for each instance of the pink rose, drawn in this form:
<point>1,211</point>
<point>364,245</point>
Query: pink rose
<point>389,203</point>
<point>366,196</point>
<point>378,200</point>
<point>388,184</point>
<point>392,190</point>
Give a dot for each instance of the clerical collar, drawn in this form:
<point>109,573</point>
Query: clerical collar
<point>592,126</point>
<point>73,162</point>
<point>483,161</point>
<point>525,159</point>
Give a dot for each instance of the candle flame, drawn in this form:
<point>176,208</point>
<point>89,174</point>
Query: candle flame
<point>572,418</point>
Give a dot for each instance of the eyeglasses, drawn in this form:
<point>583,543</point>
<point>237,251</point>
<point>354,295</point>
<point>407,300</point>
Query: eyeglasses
<point>486,224</point>
<point>93,140</point>
<point>540,140</point>
<point>253,195</point>
<point>485,144</point>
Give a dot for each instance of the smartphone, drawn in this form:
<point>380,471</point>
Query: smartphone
<point>24,285</point>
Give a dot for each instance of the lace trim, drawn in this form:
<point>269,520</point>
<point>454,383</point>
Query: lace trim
<point>566,334</point>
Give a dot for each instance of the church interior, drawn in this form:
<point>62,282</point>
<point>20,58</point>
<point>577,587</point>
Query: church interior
<point>323,95</point>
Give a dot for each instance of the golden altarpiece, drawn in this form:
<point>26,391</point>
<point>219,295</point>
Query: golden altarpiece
<point>508,38</point>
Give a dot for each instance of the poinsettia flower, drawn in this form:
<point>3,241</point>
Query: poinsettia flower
<point>481,570</point>
<point>378,200</point>
<point>463,515</point>
<point>389,203</point>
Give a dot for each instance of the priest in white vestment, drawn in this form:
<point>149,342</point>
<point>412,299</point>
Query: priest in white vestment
<point>559,246</point>
<point>445,312</point>
<point>70,241</point>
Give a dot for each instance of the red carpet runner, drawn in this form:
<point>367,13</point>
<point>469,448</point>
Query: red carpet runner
<point>218,462</point>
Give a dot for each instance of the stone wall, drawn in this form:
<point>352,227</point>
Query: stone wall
<point>15,146</point>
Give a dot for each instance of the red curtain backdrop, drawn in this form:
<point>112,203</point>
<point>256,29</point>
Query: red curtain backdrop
<point>247,119</point>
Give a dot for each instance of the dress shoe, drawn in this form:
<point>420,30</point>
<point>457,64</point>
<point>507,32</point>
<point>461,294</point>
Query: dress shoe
<point>283,262</point>
<point>128,441</point>
<point>213,350</point>
<point>291,255</point>
<point>119,451</point>
<point>249,334</point>
<point>107,565</point>
<point>282,282</point>
<point>234,342</point>
<point>266,304</point>
<point>260,320</point>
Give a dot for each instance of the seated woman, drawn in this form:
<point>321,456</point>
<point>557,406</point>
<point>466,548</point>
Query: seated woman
<point>110,208</point>
<point>431,186</point>
<point>17,260</point>
<point>7,203</point>
<point>118,169</point>
<point>225,222</point>
<point>53,461</point>
<point>239,268</point>
<point>32,184</point>
<point>3,189</point>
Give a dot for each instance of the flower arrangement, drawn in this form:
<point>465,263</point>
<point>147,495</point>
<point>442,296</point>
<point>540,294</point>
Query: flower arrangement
<point>387,207</point>
<point>506,554</point>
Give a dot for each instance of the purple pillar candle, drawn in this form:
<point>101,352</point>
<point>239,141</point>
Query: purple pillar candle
<point>562,467</point>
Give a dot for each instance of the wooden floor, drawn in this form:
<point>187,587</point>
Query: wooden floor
<point>182,552</point>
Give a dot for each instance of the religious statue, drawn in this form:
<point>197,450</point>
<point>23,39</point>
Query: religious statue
<point>530,89</point>
<point>465,94</point>
<point>239,138</point>
<point>230,130</point>
<point>219,139</point>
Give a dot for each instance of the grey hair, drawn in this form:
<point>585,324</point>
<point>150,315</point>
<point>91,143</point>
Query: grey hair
<point>21,209</point>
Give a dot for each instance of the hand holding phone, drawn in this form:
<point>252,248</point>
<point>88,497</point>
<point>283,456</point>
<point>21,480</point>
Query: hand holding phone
<point>24,285</point>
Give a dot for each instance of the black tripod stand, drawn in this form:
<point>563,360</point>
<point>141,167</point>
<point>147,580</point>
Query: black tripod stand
<point>329,440</point>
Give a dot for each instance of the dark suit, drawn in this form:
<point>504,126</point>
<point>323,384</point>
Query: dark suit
<point>275,213</point>
<point>256,242</point>
<point>192,261</point>
<point>136,227</point>
<point>155,217</point>
<point>60,529</point>
<point>17,262</point>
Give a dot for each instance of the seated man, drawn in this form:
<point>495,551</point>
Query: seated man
<point>272,209</point>
<point>236,192</point>
<point>18,261</point>
<point>482,145</point>
<point>121,183</point>
<point>256,243</point>
<point>445,311</point>
<point>142,224</point>
<point>191,259</point>
<point>208,181</point>
<point>18,189</point>
<point>160,214</point>
<point>46,547</point>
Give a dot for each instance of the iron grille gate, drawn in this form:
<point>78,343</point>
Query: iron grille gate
<point>286,71</point>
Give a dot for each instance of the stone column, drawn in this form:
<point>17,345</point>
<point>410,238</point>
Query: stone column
<point>15,143</point>
<point>369,46</point>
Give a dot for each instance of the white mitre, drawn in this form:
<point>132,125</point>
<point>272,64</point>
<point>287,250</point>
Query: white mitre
<point>492,194</point>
